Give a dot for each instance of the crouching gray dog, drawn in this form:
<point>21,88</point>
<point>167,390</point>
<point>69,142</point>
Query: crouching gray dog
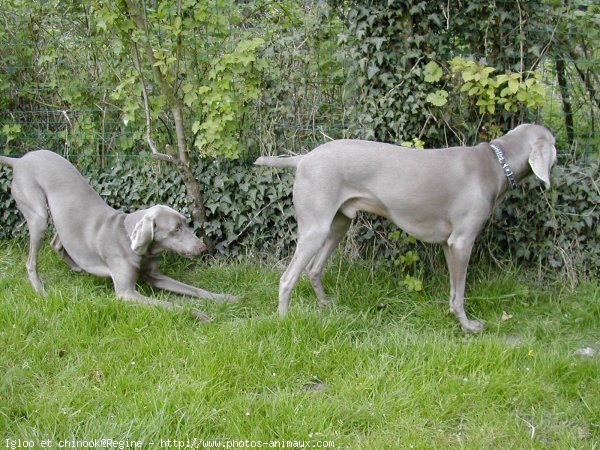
<point>439,196</point>
<point>92,236</point>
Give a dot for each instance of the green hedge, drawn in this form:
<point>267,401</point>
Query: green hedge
<point>250,211</point>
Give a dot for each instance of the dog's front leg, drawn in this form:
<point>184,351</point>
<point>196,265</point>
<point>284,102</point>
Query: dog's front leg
<point>151,274</point>
<point>124,282</point>
<point>457,256</point>
<point>160,281</point>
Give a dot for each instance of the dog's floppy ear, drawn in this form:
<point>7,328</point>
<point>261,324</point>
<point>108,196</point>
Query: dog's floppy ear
<point>143,234</point>
<point>541,159</point>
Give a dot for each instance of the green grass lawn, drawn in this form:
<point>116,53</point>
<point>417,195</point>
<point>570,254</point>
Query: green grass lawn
<point>384,368</point>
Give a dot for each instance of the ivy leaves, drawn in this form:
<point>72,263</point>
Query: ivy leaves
<point>389,45</point>
<point>418,71</point>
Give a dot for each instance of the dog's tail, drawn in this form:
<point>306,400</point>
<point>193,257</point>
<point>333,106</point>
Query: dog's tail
<point>8,161</point>
<point>290,162</point>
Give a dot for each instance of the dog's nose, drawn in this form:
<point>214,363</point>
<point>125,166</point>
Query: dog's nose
<point>201,247</point>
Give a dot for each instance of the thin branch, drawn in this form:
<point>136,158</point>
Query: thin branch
<point>530,426</point>
<point>521,36</point>
<point>429,116</point>
<point>139,19</point>
<point>325,136</point>
<point>399,85</point>
<point>549,43</point>
<point>179,45</point>
<point>479,125</point>
<point>155,153</point>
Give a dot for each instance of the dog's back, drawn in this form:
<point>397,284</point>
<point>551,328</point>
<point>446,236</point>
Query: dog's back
<point>56,177</point>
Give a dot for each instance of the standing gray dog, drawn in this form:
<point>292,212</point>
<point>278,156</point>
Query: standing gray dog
<point>92,236</point>
<point>439,196</point>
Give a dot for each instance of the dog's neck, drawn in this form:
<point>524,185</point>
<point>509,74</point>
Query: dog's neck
<point>508,173</point>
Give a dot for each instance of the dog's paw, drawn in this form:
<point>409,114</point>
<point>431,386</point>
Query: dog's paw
<point>231,298</point>
<point>472,326</point>
<point>200,317</point>
<point>324,304</point>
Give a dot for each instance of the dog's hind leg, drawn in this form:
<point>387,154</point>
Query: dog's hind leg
<point>60,250</point>
<point>309,243</point>
<point>31,201</point>
<point>338,229</point>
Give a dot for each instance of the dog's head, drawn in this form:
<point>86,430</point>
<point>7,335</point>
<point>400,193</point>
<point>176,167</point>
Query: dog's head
<point>542,150</point>
<point>163,228</point>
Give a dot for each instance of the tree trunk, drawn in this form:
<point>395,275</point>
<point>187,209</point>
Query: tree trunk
<point>181,157</point>
<point>198,210</point>
<point>566,100</point>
